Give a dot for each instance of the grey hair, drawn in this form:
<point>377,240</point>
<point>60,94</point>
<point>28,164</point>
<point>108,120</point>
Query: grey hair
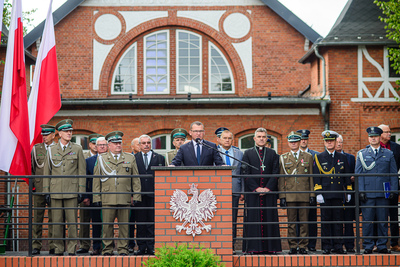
<point>341,137</point>
<point>383,125</point>
<point>196,123</point>
<point>134,139</point>
<point>259,130</point>
<point>101,138</point>
<point>144,136</point>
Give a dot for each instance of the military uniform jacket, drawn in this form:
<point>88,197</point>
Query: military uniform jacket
<point>323,163</point>
<point>384,162</point>
<point>126,165</point>
<point>38,156</point>
<point>303,165</point>
<point>170,156</point>
<point>68,162</point>
<point>87,154</point>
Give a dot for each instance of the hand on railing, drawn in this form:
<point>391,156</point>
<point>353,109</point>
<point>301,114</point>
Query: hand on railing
<point>348,198</point>
<point>312,201</point>
<point>363,197</point>
<point>283,202</point>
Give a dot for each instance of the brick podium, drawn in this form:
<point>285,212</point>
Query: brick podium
<point>219,180</point>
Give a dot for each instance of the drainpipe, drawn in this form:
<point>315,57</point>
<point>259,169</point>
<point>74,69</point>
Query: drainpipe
<point>324,110</point>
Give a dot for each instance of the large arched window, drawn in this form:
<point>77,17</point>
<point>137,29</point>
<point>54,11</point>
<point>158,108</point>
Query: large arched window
<point>188,56</point>
<point>247,141</point>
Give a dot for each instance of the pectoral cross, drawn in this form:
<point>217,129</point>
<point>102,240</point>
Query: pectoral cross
<point>262,166</point>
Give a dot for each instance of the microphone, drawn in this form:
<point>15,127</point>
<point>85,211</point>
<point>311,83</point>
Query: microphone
<point>198,141</point>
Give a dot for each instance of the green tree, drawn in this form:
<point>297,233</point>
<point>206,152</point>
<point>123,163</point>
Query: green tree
<point>26,16</point>
<point>391,16</point>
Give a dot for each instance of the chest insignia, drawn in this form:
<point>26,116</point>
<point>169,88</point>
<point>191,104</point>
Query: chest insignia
<point>324,163</point>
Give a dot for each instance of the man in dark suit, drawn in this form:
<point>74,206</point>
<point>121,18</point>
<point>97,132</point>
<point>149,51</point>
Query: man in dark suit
<point>393,212</point>
<point>144,160</point>
<point>349,213</point>
<point>331,162</point>
<point>95,214</point>
<point>197,154</point>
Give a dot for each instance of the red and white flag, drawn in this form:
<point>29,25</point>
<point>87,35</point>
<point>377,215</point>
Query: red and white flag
<point>1,16</point>
<point>44,100</point>
<point>15,153</point>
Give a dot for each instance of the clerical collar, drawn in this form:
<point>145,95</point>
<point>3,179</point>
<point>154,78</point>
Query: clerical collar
<point>260,147</point>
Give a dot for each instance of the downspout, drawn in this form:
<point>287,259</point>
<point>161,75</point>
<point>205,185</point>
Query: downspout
<point>324,109</point>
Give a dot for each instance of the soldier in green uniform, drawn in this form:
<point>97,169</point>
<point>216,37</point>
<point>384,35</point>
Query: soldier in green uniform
<point>84,214</point>
<point>296,162</point>
<point>92,145</point>
<point>38,156</point>
<point>112,163</point>
<point>64,158</point>
<point>178,137</point>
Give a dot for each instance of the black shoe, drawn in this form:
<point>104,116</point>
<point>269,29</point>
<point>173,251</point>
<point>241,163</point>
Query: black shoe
<point>82,251</point>
<point>131,250</point>
<point>122,254</point>
<point>59,254</point>
<point>312,249</point>
<point>107,254</point>
<point>339,251</point>
<point>303,251</point>
<point>71,254</point>
<point>326,251</point>
<point>96,252</point>
<point>151,252</point>
<point>350,250</point>
<point>367,251</point>
<point>293,251</point>
<point>35,251</point>
<point>51,251</point>
<point>384,251</point>
<point>139,252</point>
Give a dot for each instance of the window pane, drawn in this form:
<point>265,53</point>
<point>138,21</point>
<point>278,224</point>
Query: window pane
<point>156,47</point>
<point>125,73</point>
<point>247,142</point>
<point>158,143</point>
<point>220,75</point>
<point>189,62</point>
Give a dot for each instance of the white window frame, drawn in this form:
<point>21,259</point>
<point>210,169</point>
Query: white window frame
<point>145,66</point>
<point>133,46</point>
<point>274,141</point>
<point>210,44</point>
<point>396,137</point>
<point>167,142</point>
<point>177,61</point>
<point>78,139</point>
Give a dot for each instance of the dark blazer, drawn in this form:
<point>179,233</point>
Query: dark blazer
<point>187,157</point>
<point>148,183</point>
<point>351,160</point>
<point>395,148</point>
<point>331,183</point>
<point>90,163</point>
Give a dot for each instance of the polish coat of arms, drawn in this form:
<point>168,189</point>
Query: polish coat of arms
<point>199,208</point>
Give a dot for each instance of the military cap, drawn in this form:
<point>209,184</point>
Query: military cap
<point>219,131</point>
<point>179,133</point>
<point>47,129</point>
<point>115,137</point>
<point>93,137</point>
<point>329,135</point>
<point>374,131</point>
<point>304,133</point>
<point>294,136</point>
<point>65,125</point>
<point>269,139</point>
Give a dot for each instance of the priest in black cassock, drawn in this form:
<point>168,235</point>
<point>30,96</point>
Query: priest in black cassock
<point>267,162</point>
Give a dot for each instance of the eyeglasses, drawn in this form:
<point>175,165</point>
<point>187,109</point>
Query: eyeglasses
<point>145,143</point>
<point>198,131</point>
<point>102,145</point>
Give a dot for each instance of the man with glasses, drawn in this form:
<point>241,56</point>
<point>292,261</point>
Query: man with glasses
<point>393,212</point>
<point>198,151</point>
<point>145,159</point>
<point>111,164</point>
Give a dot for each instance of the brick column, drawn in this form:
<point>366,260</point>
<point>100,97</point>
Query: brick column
<point>219,180</point>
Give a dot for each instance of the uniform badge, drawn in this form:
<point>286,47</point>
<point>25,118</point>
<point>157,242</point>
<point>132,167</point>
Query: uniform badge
<point>127,169</point>
<point>305,170</point>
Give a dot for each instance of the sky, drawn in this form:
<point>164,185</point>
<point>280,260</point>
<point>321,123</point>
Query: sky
<point>318,14</point>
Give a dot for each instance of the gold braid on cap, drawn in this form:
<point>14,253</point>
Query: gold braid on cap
<point>320,167</point>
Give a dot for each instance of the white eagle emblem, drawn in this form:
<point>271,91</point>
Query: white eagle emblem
<point>198,209</point>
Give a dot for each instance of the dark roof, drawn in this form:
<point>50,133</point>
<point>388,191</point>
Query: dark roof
<point>292,19</point>
<point>275,5</point>
<point>29,58</point>
<point>358,24</point>
<point>58,15</point>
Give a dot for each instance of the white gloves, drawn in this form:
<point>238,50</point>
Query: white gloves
<point>348,198</point>
<point>320,199</point>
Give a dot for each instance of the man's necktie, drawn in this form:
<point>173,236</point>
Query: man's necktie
<point>64,148</point>
<point>295,155</point>
<point>116,158</point>
<point>376,152</point>
<point>228,160</point>
<point>146,161</point>
<point>198,154</point>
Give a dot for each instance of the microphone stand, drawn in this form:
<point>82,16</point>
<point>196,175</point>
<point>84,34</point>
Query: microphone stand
<point>198,141</point>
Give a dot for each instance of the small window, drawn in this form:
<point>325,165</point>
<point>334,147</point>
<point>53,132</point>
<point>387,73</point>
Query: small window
<point>392,71</point>
<point>124,80</point>
<point>162,144</point>
<point>221,80</point>
<point>395,138</point>
<point>247,141</point>
<point>156,60</point>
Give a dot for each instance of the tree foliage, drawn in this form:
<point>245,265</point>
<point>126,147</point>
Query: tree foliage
<point>391,17</point>
<point>26,16</point>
